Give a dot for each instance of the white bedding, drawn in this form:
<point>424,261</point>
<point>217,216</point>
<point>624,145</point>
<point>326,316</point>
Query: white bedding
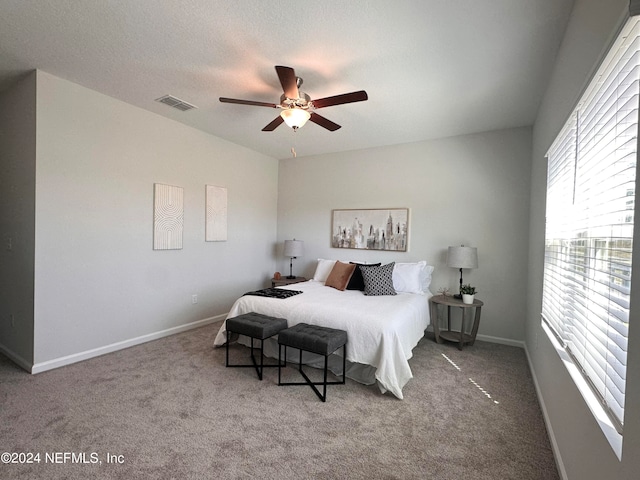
<point>382,330</point>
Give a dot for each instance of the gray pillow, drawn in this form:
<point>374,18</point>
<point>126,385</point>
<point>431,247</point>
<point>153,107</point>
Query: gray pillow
<point>378,280</point>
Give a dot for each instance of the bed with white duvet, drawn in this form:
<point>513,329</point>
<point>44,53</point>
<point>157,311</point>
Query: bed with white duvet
<point>382,330</point>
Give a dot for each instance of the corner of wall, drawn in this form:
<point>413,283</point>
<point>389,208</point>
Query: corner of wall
<point>17,219</point>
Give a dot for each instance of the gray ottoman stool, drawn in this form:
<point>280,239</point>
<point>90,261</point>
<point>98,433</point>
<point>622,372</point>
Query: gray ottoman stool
<point>316,339</point>
<point>258,326</point>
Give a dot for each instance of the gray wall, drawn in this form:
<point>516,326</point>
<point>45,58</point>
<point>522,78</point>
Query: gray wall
<point>17,219</point>
<point>99,286</point>
<point>471,190</point>
<point>581,448</point>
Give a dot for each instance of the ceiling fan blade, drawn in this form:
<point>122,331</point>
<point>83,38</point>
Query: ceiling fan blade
<point>273,125</point>
<point>324,122</point>
<point>288,81</point>
<point>359,96</point>
<point>247,102</point>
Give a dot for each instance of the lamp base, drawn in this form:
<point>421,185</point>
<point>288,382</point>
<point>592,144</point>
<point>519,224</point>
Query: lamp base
<point>291,276</point>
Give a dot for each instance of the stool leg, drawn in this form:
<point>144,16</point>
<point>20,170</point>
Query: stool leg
<point>258,366</point>
<point>324,383</point>
<point>280,363</point>
<point>261,358</point>
<point>344,363</point>
<point>307,381</point>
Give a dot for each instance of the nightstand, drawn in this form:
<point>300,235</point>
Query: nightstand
<point>462,336</point>
<point>286,281</point>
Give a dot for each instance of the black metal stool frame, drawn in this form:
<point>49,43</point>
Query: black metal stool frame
<point>259,368</point>
<point>308,381</point>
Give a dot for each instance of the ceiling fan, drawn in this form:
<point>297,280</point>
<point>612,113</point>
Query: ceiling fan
<point>297,107</point>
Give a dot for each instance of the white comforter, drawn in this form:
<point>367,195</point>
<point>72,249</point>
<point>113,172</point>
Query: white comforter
<point>382,330</point>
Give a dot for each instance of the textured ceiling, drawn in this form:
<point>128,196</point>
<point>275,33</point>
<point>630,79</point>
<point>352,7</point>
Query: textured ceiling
<point>432,68</point>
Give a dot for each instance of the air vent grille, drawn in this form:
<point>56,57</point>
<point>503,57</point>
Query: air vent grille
<point>175,103</point>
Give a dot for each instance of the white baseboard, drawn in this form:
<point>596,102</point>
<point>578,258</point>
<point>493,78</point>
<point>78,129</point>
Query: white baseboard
<point>96,352</point>
<point>500,340</point>
<point>491,339</point>
<point>15,358</point>
<point>547,422</point>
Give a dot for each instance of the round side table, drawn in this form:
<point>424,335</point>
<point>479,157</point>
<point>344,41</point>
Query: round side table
<point>461,337</point>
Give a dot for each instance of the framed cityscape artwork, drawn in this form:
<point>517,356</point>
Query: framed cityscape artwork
<point>371,229</point>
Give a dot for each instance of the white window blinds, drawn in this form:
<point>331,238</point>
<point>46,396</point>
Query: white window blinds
<point>589,231</point>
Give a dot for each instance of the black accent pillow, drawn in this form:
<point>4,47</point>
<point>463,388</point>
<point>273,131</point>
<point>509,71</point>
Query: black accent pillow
<point>357,282</point>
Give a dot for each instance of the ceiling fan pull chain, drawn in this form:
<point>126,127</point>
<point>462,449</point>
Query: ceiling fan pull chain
<point>293,149</point>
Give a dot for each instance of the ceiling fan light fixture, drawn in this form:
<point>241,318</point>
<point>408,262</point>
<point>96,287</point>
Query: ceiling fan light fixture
<point>296,106</point>
<point>295,117</point>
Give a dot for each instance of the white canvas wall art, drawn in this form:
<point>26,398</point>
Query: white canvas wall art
<point>168,217</point>
<point>216,214</point>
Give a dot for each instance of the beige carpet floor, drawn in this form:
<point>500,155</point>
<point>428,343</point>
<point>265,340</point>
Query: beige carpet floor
<point>169,409</point>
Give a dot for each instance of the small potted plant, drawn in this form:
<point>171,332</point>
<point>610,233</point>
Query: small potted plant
<point>468,293</point>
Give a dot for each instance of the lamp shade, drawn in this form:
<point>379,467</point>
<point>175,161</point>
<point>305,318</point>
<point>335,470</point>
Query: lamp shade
<point>462,257</point>
<point>295,117</point>
<point>293,248</point>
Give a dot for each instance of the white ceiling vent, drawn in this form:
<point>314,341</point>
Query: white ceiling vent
<point>175,103</point>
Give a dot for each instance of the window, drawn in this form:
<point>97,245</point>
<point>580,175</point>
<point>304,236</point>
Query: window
<point>591,184</point>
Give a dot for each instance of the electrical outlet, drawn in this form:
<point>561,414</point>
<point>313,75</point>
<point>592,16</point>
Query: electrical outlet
<point>194,299</point>
<point>9,243</point>
<point>13,321</point>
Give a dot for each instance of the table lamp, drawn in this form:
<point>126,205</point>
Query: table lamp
<point>462,257</point>
<point>293,249</point>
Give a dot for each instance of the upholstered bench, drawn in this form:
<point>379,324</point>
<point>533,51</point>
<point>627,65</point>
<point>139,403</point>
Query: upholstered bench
<point>316,339</point>
<point>255,326</point>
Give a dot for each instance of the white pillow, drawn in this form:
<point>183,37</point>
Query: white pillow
<point>425,277</point>
<point>323,270</point>
<point>412,277</point>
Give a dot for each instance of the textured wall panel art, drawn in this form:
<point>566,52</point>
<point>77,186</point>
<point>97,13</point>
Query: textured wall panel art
<point>168,217</point>
<point>216,221</point>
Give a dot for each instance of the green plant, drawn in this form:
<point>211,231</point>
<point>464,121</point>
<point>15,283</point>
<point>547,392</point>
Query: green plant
<point>467,289</point>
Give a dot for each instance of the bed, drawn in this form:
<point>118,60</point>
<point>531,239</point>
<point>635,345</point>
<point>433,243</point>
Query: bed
<point>382,329</point>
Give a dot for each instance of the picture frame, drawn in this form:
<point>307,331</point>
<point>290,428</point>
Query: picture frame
<point>371,229</point>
